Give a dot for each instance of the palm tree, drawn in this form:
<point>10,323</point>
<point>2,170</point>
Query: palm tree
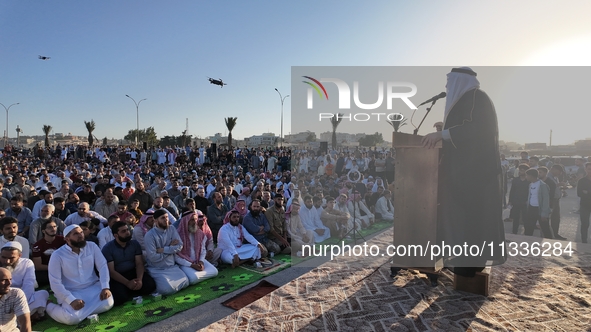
<point>46,130</point>
<point>230,124</point>
<point>90,126</point>
<point>335,120</point>
<point>397,123</point>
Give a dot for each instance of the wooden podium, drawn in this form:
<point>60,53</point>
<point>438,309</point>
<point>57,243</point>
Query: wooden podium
<point>415,211</point>
<point>415,203</point>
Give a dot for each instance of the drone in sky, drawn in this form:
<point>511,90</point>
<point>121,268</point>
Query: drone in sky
<point>41,57</point>
<point>217,82</point>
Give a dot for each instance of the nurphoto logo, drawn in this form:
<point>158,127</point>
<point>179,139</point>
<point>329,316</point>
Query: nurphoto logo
<point>344,92</point>
<point>344,98</point>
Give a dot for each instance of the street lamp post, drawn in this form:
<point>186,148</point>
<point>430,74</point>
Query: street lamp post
<point>282,99</point>
<point>7,108</point>
<point>137,113</point>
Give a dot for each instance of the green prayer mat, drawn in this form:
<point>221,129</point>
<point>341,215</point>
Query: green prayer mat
<point>278,264</point>
<point>131,317</point>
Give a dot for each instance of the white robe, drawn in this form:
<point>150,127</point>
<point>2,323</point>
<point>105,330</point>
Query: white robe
<point>355,209</point>
<point>72,277</point>
<point>311,221</point>
<point>350,222</point>
<point>105,236</point>
<point>297,231</point>
<point>229,242</point>
<point>161,157</point>
<point>201,156</point>
<point>385,208</point>
<point>23,277</point>
<point>194,276</point>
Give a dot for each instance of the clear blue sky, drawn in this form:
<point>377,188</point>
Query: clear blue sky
<point>164,50</point>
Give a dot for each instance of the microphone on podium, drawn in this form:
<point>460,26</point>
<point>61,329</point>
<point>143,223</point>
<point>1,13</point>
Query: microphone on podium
<point>432,100</point>
<point>439,96</point>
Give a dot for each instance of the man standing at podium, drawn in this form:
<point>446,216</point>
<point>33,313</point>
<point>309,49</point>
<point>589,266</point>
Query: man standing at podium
<point>470,197</point>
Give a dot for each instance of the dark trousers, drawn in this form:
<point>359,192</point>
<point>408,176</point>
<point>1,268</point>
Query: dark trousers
<point>122,294</point>
<point>518,215</point>
<point>42,278</point>
<point>584,213</point>
<point>555,215</point>
<point>215,229</point>
<point>533,216</point>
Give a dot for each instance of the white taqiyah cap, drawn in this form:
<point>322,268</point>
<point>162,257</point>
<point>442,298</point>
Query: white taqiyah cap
<point>70,228</point>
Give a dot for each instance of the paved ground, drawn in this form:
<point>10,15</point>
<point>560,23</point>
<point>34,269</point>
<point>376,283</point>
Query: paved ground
<point>359,294</point>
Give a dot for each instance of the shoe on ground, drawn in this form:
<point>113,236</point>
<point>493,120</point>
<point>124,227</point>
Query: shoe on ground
<point>265,262</point>
<point>558,237</point>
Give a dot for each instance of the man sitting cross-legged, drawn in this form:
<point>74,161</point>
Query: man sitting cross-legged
<point>162,242</point>
<point>298,234</point>
<point>23,277</point>
<point>126,265</point>
<point>78,290</point>
<point>197,239</point>
<point>231,238</point>
<point>43,249</point>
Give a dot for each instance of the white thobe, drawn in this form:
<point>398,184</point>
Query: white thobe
<point>311,221</point>
<point>351,221</point>
<point>36,213</point>
<point>229,242</point>
<point>23,277</point>
<point>161,157</point>
<point>105,236</point>
<point>194,276</point>
<point>72,277</point>
<point>201,156</point>
<point>355,210</point>
<point>385,209</point>
<point>297,232</point>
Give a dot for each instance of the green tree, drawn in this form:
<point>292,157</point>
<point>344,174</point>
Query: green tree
<point>46,131</point>
<point>90,126</point>
<point>230,124</point>
<point>184,139</point>
<point>145,135</point>
<point>105,141</point>
<point>168,141</point>
<point>311,137</point>
<point>335,121</point>
<point>371,140</point>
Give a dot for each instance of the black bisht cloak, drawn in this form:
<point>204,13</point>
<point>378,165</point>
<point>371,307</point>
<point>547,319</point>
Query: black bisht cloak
<point>470,196</point>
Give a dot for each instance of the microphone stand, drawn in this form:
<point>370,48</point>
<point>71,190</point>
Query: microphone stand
<point>354,229</point>
<point>416,131</point>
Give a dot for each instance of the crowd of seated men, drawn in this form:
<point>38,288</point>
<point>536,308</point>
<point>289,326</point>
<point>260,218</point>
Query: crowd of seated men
<point>160,228</point>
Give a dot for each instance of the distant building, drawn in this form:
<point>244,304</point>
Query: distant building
<point>535,146</point>
<point>302,137</point>
<point>266,139</point>
<point>342,138</point>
